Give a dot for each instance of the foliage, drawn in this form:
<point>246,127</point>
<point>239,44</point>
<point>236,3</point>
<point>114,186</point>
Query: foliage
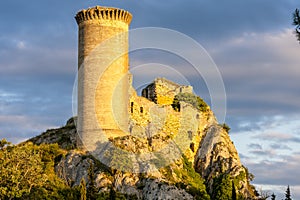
<point>4,143</point>
<point>27,172</point>
<point>92,190</point>
<point>233,191</point>
<point>264,195</point>
<point>225,127</point>
<point>296,22</point>
<point>225,186</point>
<point>273,196</point>
<point>190,98</point>
<point>191,180</point>
<point>288,194</point>
<point>222,187</point>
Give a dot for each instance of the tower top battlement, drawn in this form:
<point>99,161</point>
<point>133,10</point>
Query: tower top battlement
<point>103,13</point>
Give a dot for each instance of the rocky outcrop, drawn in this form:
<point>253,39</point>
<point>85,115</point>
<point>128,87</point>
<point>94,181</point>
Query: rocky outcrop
<point>66,137</point>
<point>169,154</point>
<point>77,165</point>
<point>154,189</point>
<point>217,156</point>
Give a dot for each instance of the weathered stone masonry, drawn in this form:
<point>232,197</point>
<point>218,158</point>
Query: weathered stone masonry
<point>103,80</point>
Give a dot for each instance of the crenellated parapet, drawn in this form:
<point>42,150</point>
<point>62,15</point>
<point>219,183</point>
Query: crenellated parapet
<point>103,13</point>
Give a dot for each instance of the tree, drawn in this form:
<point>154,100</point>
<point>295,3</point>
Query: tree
<point>273,196</point>
<point>264,195</point>
<point>233,191</point>
<point>288,194</point>
<point>21,170</point>
<point>4,143</point>
<point>222,187</point>
<point>92,190</point>
<point>27,172</point>
<point>296,22</point>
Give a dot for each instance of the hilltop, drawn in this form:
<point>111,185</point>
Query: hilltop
<point>202,162</point>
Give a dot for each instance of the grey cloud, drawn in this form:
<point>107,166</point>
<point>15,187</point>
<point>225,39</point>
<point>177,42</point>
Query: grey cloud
<point>283,172</point>
<point>217,19</point>
<point>243,156</point>
<point>279,137</point>
<point>25,126</point>
<point>255,146</point>
<point>201,19</point>
<point>44,101</point>
<point>265,153</point>
<point>280,146</point>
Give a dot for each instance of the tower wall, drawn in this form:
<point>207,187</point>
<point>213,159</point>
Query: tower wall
<point>103,81</point>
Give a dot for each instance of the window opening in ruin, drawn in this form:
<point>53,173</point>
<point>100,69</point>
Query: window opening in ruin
<point>131,107</point>
<point>192,147</point>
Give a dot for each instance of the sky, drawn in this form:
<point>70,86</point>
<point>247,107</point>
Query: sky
<point>251,42</point>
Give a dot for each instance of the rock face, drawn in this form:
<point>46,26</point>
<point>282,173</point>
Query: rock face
<point>65,136</point>
<point>190,152</point>
<point>217,155</point>
<point>77,165</point>
<point>157,190</point>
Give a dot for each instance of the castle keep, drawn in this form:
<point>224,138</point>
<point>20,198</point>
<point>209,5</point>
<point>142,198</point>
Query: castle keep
<point>103,80</point>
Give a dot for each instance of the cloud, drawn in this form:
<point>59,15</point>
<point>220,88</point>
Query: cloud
<point>23,58</point>
<point>280,146</point>
<point>243,156</point>
<point>218,20</point>
<point>17,128</point>
<point>276,163</point>
<point>265,153</point>
<point>255,146</point>
<point>279,137</point>
<point>284,172</point>
<point>255,69</point>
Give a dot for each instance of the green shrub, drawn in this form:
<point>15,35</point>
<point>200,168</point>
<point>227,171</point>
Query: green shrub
<point>191,181</point>
<point>27,172</point>
<point>225,127</point>
<point>189,98</point>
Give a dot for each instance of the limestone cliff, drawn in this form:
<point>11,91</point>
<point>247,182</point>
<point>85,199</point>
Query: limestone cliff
<point>191,154</point>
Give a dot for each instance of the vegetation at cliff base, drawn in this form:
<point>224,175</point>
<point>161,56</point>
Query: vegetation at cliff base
<point>191,180</point>
<point>27,172</point>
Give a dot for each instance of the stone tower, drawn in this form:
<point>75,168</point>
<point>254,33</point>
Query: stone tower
<point>103,80</point>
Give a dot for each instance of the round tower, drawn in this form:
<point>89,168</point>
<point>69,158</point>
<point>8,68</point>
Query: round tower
<point>103,80</point>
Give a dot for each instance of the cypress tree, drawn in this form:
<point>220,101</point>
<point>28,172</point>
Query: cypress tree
<point>288,194</point>
<point>233,191</point>
<point>273,196</point>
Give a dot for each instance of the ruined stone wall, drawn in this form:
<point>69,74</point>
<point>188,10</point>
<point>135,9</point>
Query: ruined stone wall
<point>163,91</point>
<point>163,124</point>
<point>103,81</point>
